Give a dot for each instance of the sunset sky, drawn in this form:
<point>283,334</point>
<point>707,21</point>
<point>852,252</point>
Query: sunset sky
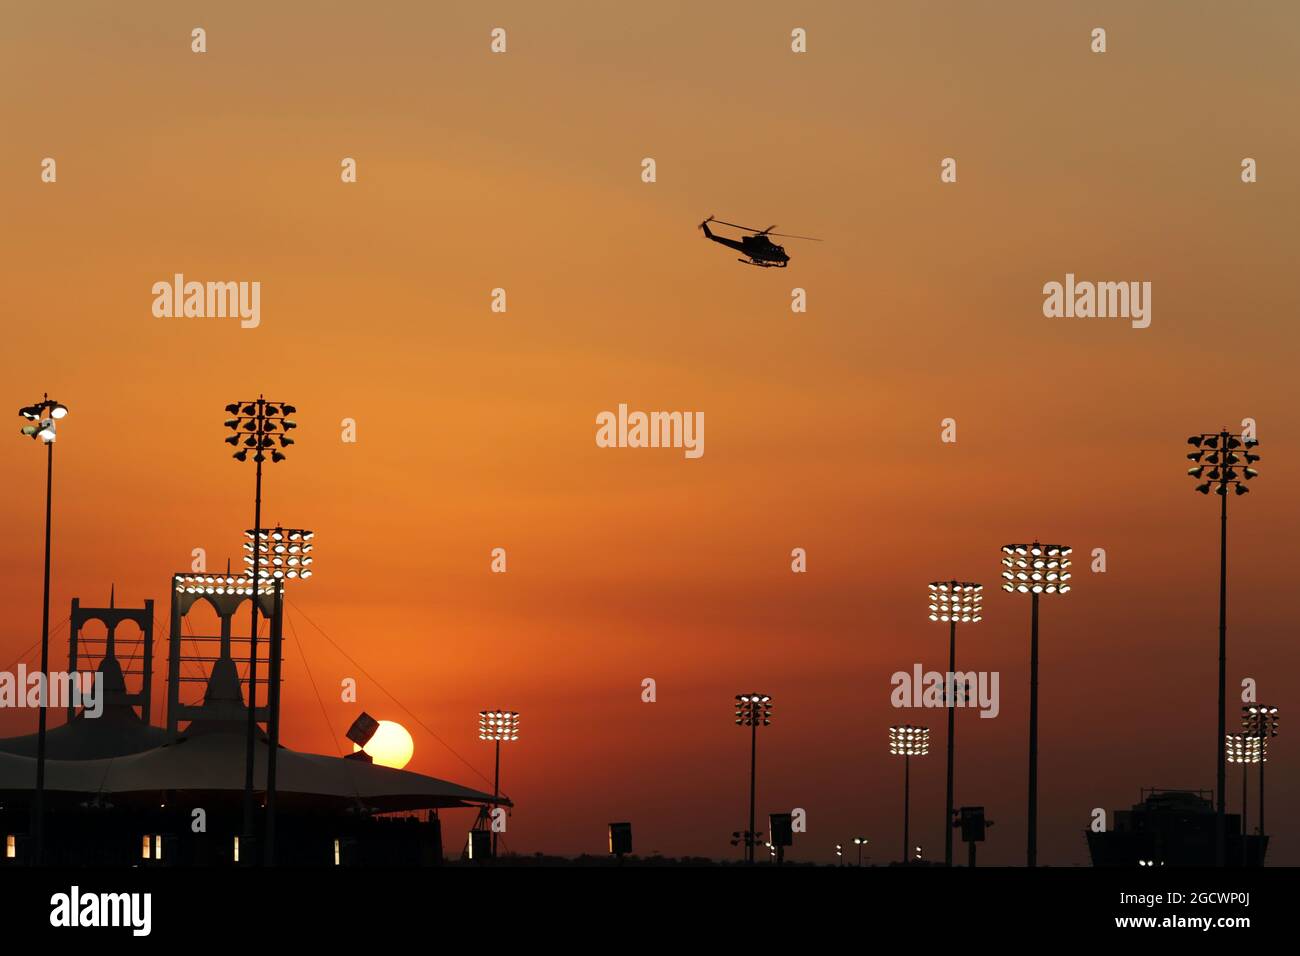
<point>475,430</point>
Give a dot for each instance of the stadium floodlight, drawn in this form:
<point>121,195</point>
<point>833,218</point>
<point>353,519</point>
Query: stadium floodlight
<point>1260,720</point>
<point>43,415</point>
<point>1221,461</point>
<point>498,726</point>
<point>752,711</point>
<point>908,742</point>
<point>1035,569</point>
<point>281,553</point>
<point>952,602</point>
<point>256,426</point>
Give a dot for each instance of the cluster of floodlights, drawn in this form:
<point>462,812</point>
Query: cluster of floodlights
<point>956,601</point>
<point>281,553</point>
<point>1036,568</point>
<point>44,413</point>
<point>753,710</point>
<point>1228,459</point>
<point>498,725</point>
<point>219,584</point>
<point>909,741</point>
<point>258,426</point>
<point>1244,748</point>
<point>1259,721</point>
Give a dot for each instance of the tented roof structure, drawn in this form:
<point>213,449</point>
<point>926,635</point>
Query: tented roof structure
<point>215,762</point>
<point>117,731</point>
<point>117,755</point>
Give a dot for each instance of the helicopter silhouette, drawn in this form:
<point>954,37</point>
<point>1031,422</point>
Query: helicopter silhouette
<point>759,249</point>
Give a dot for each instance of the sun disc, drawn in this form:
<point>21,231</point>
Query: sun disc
<point>391,746</point>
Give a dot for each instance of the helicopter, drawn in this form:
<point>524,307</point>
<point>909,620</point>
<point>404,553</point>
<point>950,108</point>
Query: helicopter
<point>759,249</point>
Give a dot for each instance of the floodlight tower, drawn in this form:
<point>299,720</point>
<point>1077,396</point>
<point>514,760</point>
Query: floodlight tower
<point>257,426</point>
<point>45,414</point>
<point>950,602</point>
<point>1260,720</point>
<point>496,726</point>
<point>277,555</point>
<point>1035,569</point>
<point>908,742</point>
<point>1245,749</point>
<point>1229,459</point>
<point>752,711</point>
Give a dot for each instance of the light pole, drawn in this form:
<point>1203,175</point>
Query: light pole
<point>257,426</point>
<point>752,711</point>
<point>1034,569</point>
<point>496,726</point>
<point>1245,749</point>
<point>950,602</point>
<point>861,842</point>
<point>44,414</point>
<point>1227,456</point>
<point>286,554</point>
<point>908,742</point>
<point>1260,721</point>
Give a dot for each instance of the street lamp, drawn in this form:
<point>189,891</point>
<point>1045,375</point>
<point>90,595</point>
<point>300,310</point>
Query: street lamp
<point>1245,749</point>
<point>1260,721</point>
<point>496,726</point>
<point>839,853</point>
<point>908,742</point>
<point>1035,569</point>
<point>257,427</point>
<point>860,842</point>
<point>1229,458</point>
<point>752,711</point>
<point>44,415</point>
<point>950,602</point>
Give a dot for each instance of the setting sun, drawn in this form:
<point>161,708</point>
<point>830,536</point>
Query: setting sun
<point>391,746</point>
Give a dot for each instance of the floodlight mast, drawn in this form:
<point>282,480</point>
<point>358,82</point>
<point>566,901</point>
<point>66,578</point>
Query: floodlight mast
<point>1260,720</point>
<point>1035,569</point>
<point>752,711</point>
<point>265,422</point>
<point>1220,451</point>
<point>496,726</point>
<point>950,602</point>
<point>45,414</point>
<point>908,742</point>
<point>288,552</point>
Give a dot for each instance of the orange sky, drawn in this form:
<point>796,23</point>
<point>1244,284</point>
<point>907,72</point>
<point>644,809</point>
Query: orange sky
<point>476,430</point>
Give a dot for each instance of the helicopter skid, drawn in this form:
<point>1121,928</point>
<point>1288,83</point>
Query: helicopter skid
<point>764,265</point>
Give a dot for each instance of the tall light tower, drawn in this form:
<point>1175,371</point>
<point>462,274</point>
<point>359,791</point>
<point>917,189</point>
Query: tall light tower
<point>44,414</point>
<point>496,726</point>
<point>752,711</point>
<point>908,742</point>
<point>257,426</point>
<point>1260,720</point>
<point>1035,569</point>
<point>950,602</point>
<point>1228,458</point>
<point>277,555</point>
<point>1245,749</point>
